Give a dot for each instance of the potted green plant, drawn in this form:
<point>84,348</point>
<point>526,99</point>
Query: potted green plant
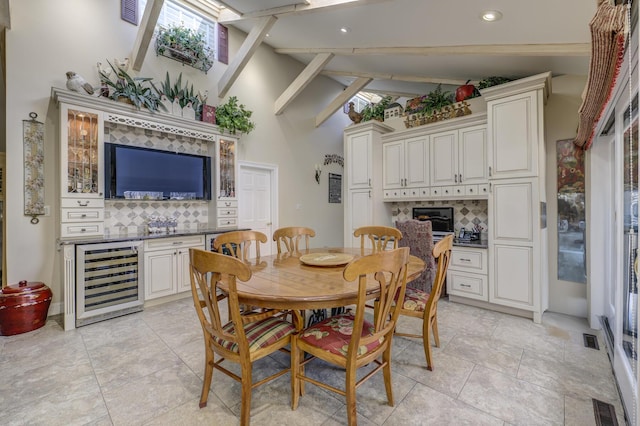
<point>436,100</point>
<point>185,45</point>
<point>233,117</point>
<point>376,111</point>
<point>138,91</point>
<point>492,81</point>
<point>184,94</point>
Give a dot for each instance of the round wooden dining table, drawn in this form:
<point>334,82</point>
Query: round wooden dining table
<point>284,281</point>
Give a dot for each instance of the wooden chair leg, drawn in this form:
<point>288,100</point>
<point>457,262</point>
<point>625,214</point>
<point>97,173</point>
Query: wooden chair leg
<point>386,373</point>
<point>245,405</point>
<point>434,327</point>
<point>208,374</point>
<point>295,381</point>
<point>426,341</point>
<point>350,391</point>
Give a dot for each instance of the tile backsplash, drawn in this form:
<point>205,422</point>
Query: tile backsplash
<point>130,216</point>
<point>122,216</point>
<point>466,213</point>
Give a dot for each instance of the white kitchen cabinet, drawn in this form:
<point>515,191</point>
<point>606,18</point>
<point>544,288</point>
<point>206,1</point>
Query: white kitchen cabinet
<point>517,231</point>
<point>405,166</point>
<point>81,171</point>
<point>363,201</point>
<point>458,159</point>
<point>166,265</point>
<point>226,208</point>
<point>467,273</point>
<point>515,118</point>
<point>515,244</point>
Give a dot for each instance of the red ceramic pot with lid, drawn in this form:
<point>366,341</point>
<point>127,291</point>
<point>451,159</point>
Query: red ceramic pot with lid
<point>23,307</point>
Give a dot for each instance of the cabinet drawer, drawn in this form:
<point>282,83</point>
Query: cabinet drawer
<point>81,215</point>
<point>392,193</point>
<point>228,212</point>
<point>227,222</point>
<point>425,192</point>
<point>459,190</point>
<point>483,189</point>
<point>174,242</point>
<point>82,202</point>
<point>471,190</point>
<point>469,260</point>
<point>442,191</point>
<point>223,204</point>
<point>411,193</point>
<point>77,229</point>
<point>473,286</point>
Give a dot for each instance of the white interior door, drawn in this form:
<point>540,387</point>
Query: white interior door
<point>257,200</point>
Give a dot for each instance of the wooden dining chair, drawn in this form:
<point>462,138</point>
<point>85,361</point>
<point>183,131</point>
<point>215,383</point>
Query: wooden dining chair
<point>350,341</point>
<point>291,236</point>
<point>421,304</point>
<point>238,244</point>
<point>245,338</point>
<point>380,237</point>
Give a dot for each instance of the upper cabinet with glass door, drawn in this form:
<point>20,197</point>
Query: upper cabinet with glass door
<point>226,150</point>
<point>81,151</point>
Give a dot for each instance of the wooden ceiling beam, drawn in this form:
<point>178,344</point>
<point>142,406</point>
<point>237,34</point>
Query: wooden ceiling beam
<point>246,51</point>
<point>550,49</point>
<point>145,32</point>
<point>410,78</point>
<point>230,17</point>
<point>341,99</point>
<point>305,77</point>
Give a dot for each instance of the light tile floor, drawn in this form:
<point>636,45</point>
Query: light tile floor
<point>146,368</point>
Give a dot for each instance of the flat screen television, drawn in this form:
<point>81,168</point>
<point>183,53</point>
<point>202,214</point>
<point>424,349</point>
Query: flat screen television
<point>135,172</point>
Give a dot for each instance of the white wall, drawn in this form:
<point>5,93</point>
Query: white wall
<point>49,38</point>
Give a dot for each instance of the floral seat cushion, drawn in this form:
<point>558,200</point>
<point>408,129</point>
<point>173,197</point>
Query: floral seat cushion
<point>259,334</point>
<point>415,300</point>
<point>334,334</point>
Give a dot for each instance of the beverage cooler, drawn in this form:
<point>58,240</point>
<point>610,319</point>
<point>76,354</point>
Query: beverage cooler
<point>108,281</point>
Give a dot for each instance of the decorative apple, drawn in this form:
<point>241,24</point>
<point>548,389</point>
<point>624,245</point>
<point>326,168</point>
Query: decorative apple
<point>465,91</point>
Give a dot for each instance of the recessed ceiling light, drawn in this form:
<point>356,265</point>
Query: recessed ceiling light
<point>345,30</point>
<point>491,15</point>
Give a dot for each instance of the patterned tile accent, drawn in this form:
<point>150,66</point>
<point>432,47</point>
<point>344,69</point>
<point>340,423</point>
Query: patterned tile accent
<point>128,135</point>
<point>121,215</point>
<point>466,213</point>
<point>124,215</point>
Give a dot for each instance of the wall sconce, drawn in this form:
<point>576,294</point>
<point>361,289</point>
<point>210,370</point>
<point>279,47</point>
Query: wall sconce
<point>318,172</point>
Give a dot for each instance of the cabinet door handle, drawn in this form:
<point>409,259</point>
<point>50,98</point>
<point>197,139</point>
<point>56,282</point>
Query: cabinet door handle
<point>465,260</point>
<point>489,171</point>
<point>177,243</point>
<point>369,193</point>
<point>465,285</point>
<point>83,203</point>
<point>460,177</point>
<point>369,181</point>
<point>455,178</point>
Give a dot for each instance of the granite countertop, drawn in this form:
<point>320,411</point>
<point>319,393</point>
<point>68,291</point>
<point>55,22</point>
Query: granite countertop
<point>470,243</point>
<point>129,236</point>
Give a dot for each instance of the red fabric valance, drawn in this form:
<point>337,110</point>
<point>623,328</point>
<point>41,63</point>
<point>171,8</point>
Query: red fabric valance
<point>607,54</point>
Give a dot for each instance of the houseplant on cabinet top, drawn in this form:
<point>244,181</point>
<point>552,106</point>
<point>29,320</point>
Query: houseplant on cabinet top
<point>376,111</point>
<point>233,117</point>
<point>184,45</point>
<point>130,89</point>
